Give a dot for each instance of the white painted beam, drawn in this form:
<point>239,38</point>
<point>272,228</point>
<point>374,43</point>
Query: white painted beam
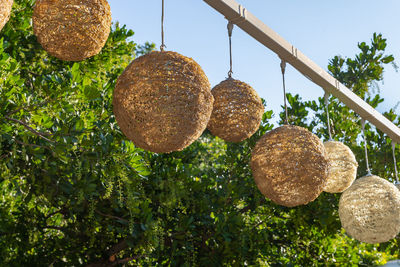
<point>238,15</point>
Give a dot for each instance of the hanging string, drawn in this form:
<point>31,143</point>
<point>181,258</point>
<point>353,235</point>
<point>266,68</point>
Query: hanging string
<point>230,30</point>
<point>395,163</point>
<point>326,100</point>
<point>283,68</point>
<point>162,28</point>
<point>365,147</point>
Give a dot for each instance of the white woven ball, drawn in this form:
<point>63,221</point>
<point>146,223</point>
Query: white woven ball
<point>342,167</point>
<point>369,210</point>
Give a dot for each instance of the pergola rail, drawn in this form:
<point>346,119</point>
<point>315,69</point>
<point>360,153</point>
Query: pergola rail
<point>239,16</point>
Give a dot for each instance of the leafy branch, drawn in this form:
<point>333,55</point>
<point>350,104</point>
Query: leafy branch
<point>29,128</point>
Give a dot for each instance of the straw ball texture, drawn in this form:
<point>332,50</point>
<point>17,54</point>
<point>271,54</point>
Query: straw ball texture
<point>290,166</point>
<point>237,111</point>
<point>163,102</point>
<point>370,210</point>
<point>72,30</point>
<point>5,11</point>
<point>342,167</point>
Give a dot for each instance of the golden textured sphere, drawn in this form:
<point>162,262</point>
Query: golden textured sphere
<point>163,102</point>
<point>290,166</point>
<point>369,210</point>
<point>342,167</point>
<point>237,111</point>
<point>72,30</point>
<point>5,10</point>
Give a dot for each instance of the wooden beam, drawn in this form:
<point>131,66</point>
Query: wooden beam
<point>238,15</point>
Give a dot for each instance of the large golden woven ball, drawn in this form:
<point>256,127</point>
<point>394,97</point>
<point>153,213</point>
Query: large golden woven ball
<point>72,30</point>
<point>342,167</point>
<point>5,11</point>
<point>237,111</point>
<point>369,210</point>
<point>163,102</point>
<point>290,165</point>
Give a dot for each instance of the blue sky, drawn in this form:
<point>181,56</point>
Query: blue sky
<point>320,29</point>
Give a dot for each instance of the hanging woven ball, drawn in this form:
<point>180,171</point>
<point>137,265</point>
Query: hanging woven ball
<point>237,111</point>
<point>163,102</point>
<point>72,30</point>
<point>369,210</point>
<point>5,10</point>
<point>290,166</point>
<point>342,167</point>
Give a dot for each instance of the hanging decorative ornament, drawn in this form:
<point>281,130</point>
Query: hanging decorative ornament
<point>289,163</point>
<point>290,166</point>
<point>5,11</point>
<point>237,110</point>
<point>342,162</point>
<point>342,167</point>
<point>72,30</point>
<point>162,101</point>
<point>369,209</point>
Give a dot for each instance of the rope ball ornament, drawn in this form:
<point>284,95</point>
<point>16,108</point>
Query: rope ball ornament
<point>370,210</point>
<point>237,111</point>
<point>162,101</point>
<point>290,166</point>
<point>342,167</point>
<point>5,11</point>
<point>72,30</point>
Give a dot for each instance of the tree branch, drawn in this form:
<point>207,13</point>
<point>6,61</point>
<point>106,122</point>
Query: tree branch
<point>111,216</point>
<point>248,207</point>
<point>31,107</point>
<point>114,262</point>
<point>32,145</point>
<point>122,261</point>
<point>117,248</point>
<point>15,111</point>
<point>59,228</point>
<point>54,213</point>
<point>111,256</point>
<point>245,209</point>
<point>258,224</point>
<point>40,134</point>
<point>35,74</point>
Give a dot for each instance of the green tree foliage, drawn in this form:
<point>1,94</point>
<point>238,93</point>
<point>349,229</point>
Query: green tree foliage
<point>75,192</point>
